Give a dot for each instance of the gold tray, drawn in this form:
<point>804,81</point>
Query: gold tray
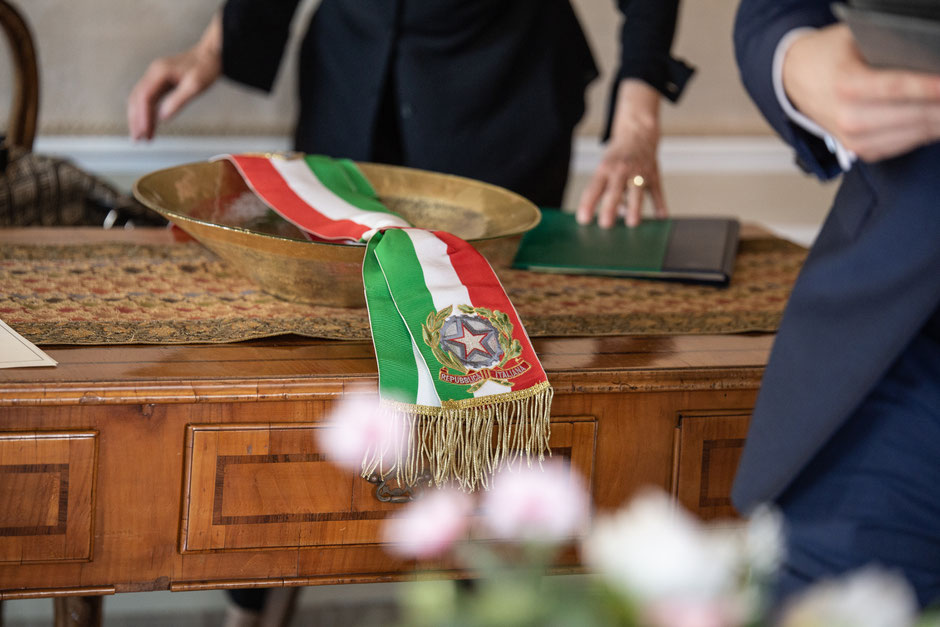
<point>211,202</point>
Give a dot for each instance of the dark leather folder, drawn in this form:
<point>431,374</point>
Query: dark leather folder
<point>700,250</point>
<point>895,34</point>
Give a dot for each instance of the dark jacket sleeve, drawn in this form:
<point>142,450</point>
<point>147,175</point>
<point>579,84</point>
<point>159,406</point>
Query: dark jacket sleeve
<point>759,27</point>
<point>646,36</point>
<point>254,34</point>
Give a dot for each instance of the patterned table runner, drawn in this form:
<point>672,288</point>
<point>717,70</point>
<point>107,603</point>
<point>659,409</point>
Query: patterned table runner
<point>122,293</point>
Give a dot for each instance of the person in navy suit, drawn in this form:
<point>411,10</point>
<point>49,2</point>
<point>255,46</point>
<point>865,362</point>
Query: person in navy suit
<point>845,437</point>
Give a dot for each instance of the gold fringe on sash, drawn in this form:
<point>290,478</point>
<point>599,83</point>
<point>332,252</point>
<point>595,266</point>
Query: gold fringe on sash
<point>464,442</point>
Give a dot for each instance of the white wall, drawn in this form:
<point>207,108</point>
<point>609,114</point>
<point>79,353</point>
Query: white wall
<point>92,52</point>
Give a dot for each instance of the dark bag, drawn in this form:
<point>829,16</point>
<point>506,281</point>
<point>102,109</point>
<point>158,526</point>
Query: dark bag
<point>38,190</point>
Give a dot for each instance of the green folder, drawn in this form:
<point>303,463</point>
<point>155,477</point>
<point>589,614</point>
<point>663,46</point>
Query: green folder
<point>700,250</point>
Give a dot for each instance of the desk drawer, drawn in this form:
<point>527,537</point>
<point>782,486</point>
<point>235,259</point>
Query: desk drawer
<point>47,489</point>
<point>709,448</point>
<point>268,486</point>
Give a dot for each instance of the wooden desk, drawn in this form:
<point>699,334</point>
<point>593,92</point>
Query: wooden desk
<point>131,468</point>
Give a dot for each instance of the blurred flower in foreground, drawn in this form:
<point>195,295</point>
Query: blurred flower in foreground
<point>356,427</point>
<point>656,554</point>
<point>763,542</point>
<point>867,598</point>
<point>547,504</point>
<point>430,525</point>
<point>693,613</point>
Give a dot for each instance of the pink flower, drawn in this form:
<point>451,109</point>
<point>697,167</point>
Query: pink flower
<point>693,613</point>
<point>547,504</point>
<point>357,427</point>
<point>430,525</point>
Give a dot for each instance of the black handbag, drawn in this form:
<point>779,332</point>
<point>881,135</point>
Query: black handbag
<point>40,190</point>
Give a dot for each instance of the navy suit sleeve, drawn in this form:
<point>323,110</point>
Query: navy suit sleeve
<point>646,36</point>
<point>254,35</point>
<point>759,27</point>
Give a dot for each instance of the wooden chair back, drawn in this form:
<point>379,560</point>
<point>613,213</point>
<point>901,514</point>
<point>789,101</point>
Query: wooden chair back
<point>21,130</point>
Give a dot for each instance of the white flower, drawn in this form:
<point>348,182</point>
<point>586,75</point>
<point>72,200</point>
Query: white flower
<point>430,525</point>
<point>655,552</point>
<point>869,597</point>
<point>763,541</point>
<point>547,504</point>
<point>356,427</point>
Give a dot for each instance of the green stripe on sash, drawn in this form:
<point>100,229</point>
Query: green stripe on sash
<point>345,180</point>
<point>359,181</point>
<point>398,372</point>
<point>405,277</point>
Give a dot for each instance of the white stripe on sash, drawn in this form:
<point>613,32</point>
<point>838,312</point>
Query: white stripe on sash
<point>427,394</point>
<point>439,275</point>
<point>303,182</point>
<point>444,285</point>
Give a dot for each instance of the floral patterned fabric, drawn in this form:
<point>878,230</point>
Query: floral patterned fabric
<point>120,293</point>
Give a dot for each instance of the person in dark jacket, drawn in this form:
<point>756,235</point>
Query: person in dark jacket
<point>845,433</point>
<point>488,89</point>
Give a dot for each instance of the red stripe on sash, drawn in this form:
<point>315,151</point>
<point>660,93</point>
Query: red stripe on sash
<point>271,187</point>
<point>484,289</point>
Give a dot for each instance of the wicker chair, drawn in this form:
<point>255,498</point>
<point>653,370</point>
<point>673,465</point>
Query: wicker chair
<point>41,190</point>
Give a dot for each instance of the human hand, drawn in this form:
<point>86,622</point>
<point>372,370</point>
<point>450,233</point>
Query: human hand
<point>629,168</point>
<point>875,113</point>
<point>171,82</point>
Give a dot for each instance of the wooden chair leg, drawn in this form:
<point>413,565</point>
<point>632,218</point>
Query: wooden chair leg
<point>77,611</point>
<point>279,607</point>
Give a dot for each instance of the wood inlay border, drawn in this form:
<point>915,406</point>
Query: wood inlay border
<point>707,447</point>
<point>62,515</point>
<point>224,461</point>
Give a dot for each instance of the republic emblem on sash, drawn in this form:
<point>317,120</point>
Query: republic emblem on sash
<point>474,346</point>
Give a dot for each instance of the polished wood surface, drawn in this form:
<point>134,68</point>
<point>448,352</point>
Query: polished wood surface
<point>205,472</point>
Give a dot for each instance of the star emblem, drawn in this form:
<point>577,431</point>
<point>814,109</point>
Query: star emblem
<point>471,341</point>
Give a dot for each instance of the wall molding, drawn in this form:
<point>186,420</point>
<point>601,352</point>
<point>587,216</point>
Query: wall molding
<point>110,155</point>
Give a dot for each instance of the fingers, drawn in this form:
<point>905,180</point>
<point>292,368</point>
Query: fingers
<point>655,189</point>
<point>603,194</point>
<point>610,203</point>
<point>888,143</point>
<point>634,202</point>
<point>613,194</point>
<point>142,102</point>
<point>888,86</point>
<point>188,88</point>
<point>167,85</point>
<point>861,129</point>
<point>590,197</point>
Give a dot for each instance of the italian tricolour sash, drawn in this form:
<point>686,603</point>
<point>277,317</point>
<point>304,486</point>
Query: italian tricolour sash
<point>457,372</point>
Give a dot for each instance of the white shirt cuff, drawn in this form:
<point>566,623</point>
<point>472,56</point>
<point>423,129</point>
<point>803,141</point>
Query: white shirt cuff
<point>845,157</point>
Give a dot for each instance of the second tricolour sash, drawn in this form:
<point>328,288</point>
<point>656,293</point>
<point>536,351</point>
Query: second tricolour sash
<point>457,372</point>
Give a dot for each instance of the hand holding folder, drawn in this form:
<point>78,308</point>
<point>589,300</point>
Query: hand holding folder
<point>899,34</point>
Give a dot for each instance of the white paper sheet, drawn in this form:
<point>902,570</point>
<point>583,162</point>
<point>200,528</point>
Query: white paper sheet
<point>18,352</point>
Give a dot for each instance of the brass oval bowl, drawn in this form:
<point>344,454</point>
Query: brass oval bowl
<point>210,202</point>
